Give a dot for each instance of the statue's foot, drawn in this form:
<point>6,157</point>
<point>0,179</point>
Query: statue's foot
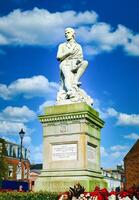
<point>70,94</point>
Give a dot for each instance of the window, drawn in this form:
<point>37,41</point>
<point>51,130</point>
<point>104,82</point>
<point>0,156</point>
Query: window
<point>10,171</point>
<point>11,153</point>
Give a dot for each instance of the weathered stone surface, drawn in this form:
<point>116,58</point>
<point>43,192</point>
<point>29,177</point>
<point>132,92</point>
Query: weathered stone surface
<point>71,148</point>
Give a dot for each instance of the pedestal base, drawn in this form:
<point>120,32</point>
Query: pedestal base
<point>71,148</point>
<point>62,184</point>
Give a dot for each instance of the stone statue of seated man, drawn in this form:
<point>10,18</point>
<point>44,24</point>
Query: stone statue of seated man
<point>72,65</point>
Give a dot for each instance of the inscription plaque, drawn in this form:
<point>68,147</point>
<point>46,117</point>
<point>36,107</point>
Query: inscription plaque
<point>64,152</point>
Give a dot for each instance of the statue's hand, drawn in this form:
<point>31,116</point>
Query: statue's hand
<point>72,50</point>
<point>78,62</point>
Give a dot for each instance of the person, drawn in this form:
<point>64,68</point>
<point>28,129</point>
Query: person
<point>20,188</point>
<point>72,65</point>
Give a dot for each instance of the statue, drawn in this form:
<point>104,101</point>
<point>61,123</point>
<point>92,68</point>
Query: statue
<point>72,67</point>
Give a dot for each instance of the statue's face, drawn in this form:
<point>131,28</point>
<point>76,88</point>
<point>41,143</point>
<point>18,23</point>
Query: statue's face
<point>69,34</point>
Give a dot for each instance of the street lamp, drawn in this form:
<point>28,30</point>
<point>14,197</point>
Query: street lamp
<point>1,147</point>
<point>21,133</point>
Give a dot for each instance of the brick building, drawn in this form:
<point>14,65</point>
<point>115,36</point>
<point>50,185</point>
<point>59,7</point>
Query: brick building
<point>35,170</point>
<point>131,165</point>
<point>12,158</point>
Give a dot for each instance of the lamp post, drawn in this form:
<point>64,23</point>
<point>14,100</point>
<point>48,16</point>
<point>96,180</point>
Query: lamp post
<point>1,147</point>
<point>21,133</point>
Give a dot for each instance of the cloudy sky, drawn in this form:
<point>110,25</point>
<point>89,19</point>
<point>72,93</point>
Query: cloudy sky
<point>30,31</point>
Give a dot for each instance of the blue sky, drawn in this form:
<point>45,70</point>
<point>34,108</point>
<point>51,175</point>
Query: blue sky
<point>30,31</point>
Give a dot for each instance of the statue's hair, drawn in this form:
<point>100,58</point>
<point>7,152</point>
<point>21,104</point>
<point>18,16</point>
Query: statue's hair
<point>70,29</point>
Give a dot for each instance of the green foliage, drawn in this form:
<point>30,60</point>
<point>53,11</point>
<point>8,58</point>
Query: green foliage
<point>3,151</point>
<point>3,163</point>
<point>28,196</point>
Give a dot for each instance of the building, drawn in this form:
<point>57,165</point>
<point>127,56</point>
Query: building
<point>131,165</point>
<point>35,170</point>
<point>15,160</point>
<point>114,177</point>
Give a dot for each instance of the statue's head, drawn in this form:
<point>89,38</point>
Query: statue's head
<point>69,33</point>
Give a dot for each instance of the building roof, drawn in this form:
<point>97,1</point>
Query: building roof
<point>118,168</point>
<point>12,143</point>
<point>36,166</point>
<point>132,149</point>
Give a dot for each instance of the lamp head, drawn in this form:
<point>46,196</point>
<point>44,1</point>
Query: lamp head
<point>21,133</point>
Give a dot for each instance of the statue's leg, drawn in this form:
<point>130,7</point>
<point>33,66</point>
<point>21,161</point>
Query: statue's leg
<point>61,95</point>
<point>67,77</point>
<point>62,84</point>
<point>80,71</point>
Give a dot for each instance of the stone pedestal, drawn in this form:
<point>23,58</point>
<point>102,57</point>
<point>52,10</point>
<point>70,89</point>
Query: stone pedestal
<point>71,148</point>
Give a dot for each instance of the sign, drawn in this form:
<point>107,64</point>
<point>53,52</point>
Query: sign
<point>64,152</point>
<point>91,153</point>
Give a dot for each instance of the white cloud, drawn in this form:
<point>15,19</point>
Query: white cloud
<point>116,154</point>
<point>36,154</point>
<point>97,106</point>
<point>17,114</point>
<point>112,112</point>
<point>105,35</point>
<point>27,140</point>
<point>11,127</point>
<point>41,27</point>
<point>3,40</point>
<point>90,50</point>
<point>102,37</point>
<point>46,103</point>
<point>106,113</point>
<point>119,148</point>
<point>132,47</point>
<point>126,119</point>
<point>28,87</point>
<point>13,119</point>
<point>117,151</point>
<point>114,157</point>
<point>4,92</point>
<point>132,136</point>
<point>122,118</point>
<point>103,151</point>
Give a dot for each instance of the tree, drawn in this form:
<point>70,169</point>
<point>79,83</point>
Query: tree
<point>3,163</point>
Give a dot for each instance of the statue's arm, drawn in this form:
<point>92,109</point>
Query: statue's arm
<point>62,54</point>
<point>79,54</point>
